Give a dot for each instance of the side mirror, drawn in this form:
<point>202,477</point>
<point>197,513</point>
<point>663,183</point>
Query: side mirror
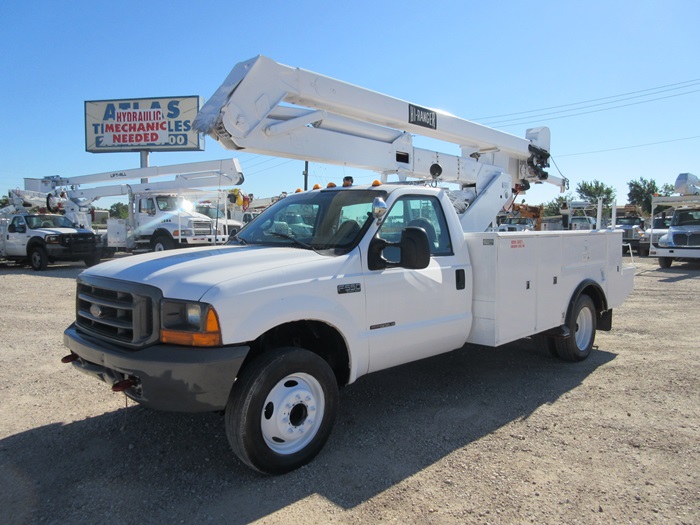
<point>414,248</point>
<point>378,208</point>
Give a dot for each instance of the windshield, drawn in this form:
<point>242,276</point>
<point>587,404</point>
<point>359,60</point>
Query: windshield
<point>662,222</point>
<point>629,221</point>
<point>210,212</point>
<point>171,203</point>
<point>686,218</point>
<point>320,220</point>
<point>48,221</point>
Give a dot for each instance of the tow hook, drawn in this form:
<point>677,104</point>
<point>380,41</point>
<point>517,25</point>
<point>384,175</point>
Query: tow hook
<point>69,358</point>
<point>121,386</point>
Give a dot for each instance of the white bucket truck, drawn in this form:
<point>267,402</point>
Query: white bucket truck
<point>682,240</point>
<point>30,234</point>
<point>363,278</point>
<point>160,218</point>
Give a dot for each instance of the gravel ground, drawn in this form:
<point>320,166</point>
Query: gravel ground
<point>480,435</point>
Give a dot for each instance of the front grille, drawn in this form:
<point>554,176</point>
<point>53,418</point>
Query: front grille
<point>686,239</point>
<point>202,228</point>
<point>78,242</point>
<point>119,312</point>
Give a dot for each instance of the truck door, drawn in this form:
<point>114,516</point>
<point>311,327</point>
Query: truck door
<point>413,314</point>
<point>16,237</point>
<point>146,212</point>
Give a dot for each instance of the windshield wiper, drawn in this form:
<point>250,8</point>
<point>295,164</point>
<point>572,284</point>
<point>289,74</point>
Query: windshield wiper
<point>294,240</point>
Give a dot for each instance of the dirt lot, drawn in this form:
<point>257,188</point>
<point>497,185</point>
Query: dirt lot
<point>480,435</point>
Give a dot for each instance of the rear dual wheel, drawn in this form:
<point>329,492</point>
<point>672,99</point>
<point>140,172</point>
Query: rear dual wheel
<point>582,323</point>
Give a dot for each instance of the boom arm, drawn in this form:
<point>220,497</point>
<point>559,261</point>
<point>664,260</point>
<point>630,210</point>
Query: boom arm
<point>208,172</point>
<point>269,108</point>
<point>193,175</point>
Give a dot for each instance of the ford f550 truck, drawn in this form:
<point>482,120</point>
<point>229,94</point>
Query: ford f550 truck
<point>364,278</point>
<point>43,238</point>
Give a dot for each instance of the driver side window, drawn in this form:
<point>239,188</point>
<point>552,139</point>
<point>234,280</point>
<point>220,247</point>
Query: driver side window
<point>146,206</point>
<point>420,211</point>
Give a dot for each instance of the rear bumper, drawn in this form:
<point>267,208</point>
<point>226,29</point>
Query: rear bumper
<point>167,377</point>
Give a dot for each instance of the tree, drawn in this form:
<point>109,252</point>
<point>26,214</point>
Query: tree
<point>4,201</point>
<point>592,191</point>
<point>642,190</point>
<point>119,210</point>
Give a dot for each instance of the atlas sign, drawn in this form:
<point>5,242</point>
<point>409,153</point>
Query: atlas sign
<point>141,124</point>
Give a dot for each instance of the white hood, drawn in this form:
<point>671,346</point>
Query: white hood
<point>188,274</point>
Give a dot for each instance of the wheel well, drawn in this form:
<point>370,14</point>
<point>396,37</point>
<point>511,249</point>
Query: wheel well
<point>597,295</point>
<point>33,242</point>
<point>159,232</point>
<point>315,336</point>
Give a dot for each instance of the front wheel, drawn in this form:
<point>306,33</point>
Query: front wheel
<point>281,410</point>
<point>162,243</point>
<point>665,262</point>
<point>582,324</point>
<point>92,260</point>
<point>38,258</point>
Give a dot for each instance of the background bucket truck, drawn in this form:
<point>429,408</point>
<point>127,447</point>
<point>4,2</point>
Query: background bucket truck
<point>682,240</point>
<point>160,218</point>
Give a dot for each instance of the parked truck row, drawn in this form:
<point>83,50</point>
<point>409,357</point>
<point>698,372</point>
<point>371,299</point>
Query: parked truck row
<point>160,217</point>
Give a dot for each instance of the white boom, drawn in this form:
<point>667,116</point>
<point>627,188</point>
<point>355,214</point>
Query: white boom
<point>206,172</point>
<point>269,108</point>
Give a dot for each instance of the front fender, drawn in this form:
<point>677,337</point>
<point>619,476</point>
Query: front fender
<point>245,315</point>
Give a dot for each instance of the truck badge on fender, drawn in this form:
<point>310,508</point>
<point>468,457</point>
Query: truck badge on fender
<point>349,288</point>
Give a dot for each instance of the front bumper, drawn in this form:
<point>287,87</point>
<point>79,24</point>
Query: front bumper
<point>61,253</point>
<point>203,240</point>
<point>167,377</point>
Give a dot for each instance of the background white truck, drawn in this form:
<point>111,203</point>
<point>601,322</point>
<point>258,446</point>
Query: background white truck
<point>160,218</point>
<point>43,238</point>
<point>682,241</point>
<point>365,278</point>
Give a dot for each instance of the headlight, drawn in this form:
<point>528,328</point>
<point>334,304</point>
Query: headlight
<point>183,233</point>
<point>51,239</point>
<point>663,241</point>
<point>189,323</point>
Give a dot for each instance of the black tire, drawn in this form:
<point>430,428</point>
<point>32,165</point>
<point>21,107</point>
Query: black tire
<point>643,252</point>
<point>582,321</point>
<point>92,260</point>
<point>545,341</point>
<point>665,262</point>
<point>162,243</point>
<point>38,258</point>
<point>276,396</point>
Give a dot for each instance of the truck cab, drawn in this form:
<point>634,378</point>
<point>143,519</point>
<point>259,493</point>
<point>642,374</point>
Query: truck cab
<point>683,236</point>
<point>632,231</point>
<point>517,224</point>
<point>46,238</point>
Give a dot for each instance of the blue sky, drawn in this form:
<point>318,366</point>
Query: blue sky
<point>622,77</point>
